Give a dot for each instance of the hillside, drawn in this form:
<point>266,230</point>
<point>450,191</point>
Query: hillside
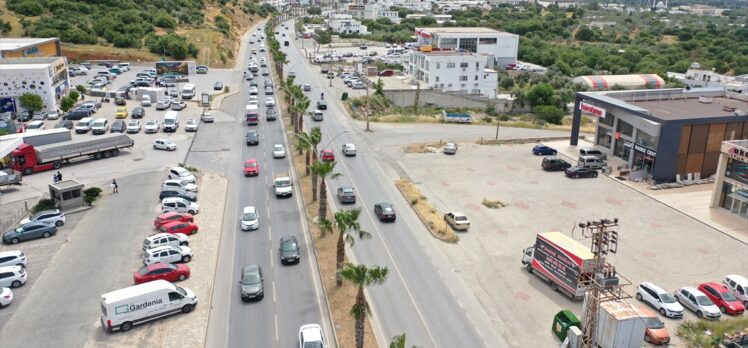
<point>203,30</point>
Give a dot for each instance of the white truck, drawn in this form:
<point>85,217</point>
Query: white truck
<point>121,309</point>
<point>282,185</point>
<point>619,325</point>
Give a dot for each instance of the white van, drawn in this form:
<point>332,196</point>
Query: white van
<point>84,125</point>
<point>188,91</point>
<point>171,121</point>
<point>145,100</point>
<point>121,309</point>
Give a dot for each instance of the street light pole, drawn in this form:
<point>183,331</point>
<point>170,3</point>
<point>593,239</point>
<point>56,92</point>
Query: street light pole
<point>498,121</point>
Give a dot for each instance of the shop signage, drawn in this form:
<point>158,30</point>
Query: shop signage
<point>738,153</point>
<point>645,150</point>
<point>591,109</point>
<point>628,144</point>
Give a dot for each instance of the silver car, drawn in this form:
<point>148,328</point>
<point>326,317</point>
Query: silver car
<point>55,217</point>
<point>697,302</point>
<point>450,148</point>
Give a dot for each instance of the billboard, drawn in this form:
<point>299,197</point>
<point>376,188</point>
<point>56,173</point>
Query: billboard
<point>175,68</point>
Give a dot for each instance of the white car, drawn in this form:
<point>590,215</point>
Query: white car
<point>179,205</point>
<point>253,90</point>
<point>697,302</point>
<point>310,336</point>
<point>458,221</point>
<point>181,173</point>
<point>450,148</point>
<point>739,286</point>
<point>6,297</point>
<point>180,105</point>
<point>12,258</point>
<point>269,101</point>
<point>53,115</point>
<point>253,100</point>
<point>12,276</point>
<point>659,299</point>
<point>133,126</point>
<point>35,126</point>
<point>191,125</point>
<point>164,144</point>
<point>349,149</point>
<point>167,254</point>
<point>52,216</point>
<point>279,151</point>
<point>206,117</point>
<point>250,219</point>
<point>181,184</point>
<point>165,239</point>
<point>152,126</point>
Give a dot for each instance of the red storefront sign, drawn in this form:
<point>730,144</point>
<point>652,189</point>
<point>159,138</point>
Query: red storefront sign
<point>591,109</point>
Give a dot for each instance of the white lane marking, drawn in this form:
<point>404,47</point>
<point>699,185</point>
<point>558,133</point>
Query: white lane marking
<point>276,326</point>
<point>271,258</point>
<point>274,299</point>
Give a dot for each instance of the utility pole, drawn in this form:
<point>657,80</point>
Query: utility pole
<point>366,111</point>
<point>498,122</point>
<point>417,99</point>
<point>603,283</point>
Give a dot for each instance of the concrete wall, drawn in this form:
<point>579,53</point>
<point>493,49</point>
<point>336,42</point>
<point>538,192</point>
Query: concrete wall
<point>405,98</point>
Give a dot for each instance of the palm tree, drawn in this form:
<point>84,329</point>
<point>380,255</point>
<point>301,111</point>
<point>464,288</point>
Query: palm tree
<point>315,137</point>
<point>323,170</point>
<point>362,276</point>
<point>303,143</point>
<point>347,224</point>
<point>325,227</point>
<point>399,342</point>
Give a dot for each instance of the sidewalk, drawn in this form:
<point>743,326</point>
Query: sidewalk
<point>692,201</point>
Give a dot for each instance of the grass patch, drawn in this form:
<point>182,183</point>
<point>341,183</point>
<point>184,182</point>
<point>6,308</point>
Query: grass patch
<point>704,333</point>
<point>493,204</point>
<point>428,214</point>
<point>423,148</point>
<point>192,169</point>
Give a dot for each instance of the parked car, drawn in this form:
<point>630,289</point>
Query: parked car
<point>580,172</point>
<point>163,104</point>
<point>12,258</point>
<point>206,117</point>
<point>164,144</point>
<point>458,221</point>
<point>160,270</point>
<point>697,302</point>
<point>289,250</point>
<point>65,124</point>
<point>659,299</point>
<point>589,151</point>
<point>167,254</point>
<point>542,150</point>
<point>218,86</point>
<point>180,105</point>
<point>450,148</point>
<point>250,220</point>
<point>39,116</point>
<point>346,195</point>
<point>152,126</point>
<point>722,298</point>
<point>183,184</point>
<point>181,173</point>
<point>118,126</point>
<point>191,125</point>
<point>655,331</point>
<point>279,151</point>
<point>327,155</point>
<point>310,335</point>
<point>554,164</point>
<point>171,191</point>
<point>53,115</point>
<point>35,126</point>
<point>251,283</point>
<point>138,112</point>
<point>177,226</point>
<point>593,162</point>
<point>162,239</point>
<point>29,231</point>
<point>120,101</point>
<point>349,149</point>
<point>6,297</point>
<point>385,212</point>
<point>133,126</point>
<point>180,205</point>
<point>169,217</point>
<point>739,286</point>
<point>54,216</point>
<point>201,69</point>
<point>12,276</point>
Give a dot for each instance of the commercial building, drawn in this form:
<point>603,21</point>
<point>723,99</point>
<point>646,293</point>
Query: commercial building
<point>664,134</point>
<point>345,24</point>
<point>11,47</point>
<point>696,76</point>
<point>453,71</point>
<point>608,82</point>
<point>46,77</point>
<point>415,5</point>
<point>731,184</point>
<point>499,47</point>
<point>373,11</point>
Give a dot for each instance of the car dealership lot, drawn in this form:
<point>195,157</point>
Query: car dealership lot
<point>657,243</point>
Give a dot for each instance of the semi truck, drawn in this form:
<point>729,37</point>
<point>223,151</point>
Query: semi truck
<point>561,261</point>
<point>29,159</point>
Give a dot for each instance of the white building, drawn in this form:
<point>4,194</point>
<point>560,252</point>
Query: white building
<point>696,76</point>
<point>453,71</point>
<point>46,77</point>
<point>415,5</point>
<point>373,11</point>
<point>440,18</point>
<point>500,47</point>
<point>345,24</point>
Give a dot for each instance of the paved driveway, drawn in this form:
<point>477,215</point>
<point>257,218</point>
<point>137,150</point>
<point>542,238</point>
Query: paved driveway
<point>657,243</point>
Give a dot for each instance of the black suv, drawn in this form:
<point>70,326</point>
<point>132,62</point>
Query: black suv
<point>322,105</point>
<point>252,137</point>
<point>289,250</point>
<point>554,164</point>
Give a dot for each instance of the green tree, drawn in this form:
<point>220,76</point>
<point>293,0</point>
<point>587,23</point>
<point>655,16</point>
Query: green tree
<point>323,170</point>
<point>506,83</point>
<point>66,103</point>
<point>379,88</point>
<point>315,137</point>
<point>325,227</point>
<point>31,102</point>
<point>540,94</point>
<point>164,20</point>
<point>399,342</point>
<point>346,222</point>
<point>74,95</point>
<point>585,34</point>
<point>314,10</point>
<point>81,89</point>
<point>362,277</point>
<point>5,27</point>
<point>549,113</point>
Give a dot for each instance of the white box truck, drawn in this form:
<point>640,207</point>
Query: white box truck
<point>619,325</point>
<point>121,309</point>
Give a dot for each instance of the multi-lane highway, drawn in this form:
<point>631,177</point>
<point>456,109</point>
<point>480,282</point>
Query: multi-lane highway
<point>421,297</point>
<point>292,293</point>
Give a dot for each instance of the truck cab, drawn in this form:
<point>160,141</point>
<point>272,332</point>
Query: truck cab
<point>282,185</point>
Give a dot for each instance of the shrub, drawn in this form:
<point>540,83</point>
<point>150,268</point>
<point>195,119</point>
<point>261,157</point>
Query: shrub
<point>225,89</point>
<point>81,89</point>
<point>549,114</point>
<point>74,95</point>
<point>414,201</point>
<point>91,194</point>
<point>43,204</point>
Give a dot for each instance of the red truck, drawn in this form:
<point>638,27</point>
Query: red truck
<point>30,159</point>
<point>559,260</point>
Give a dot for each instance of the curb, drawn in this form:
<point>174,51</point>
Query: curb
<point>423,221</point>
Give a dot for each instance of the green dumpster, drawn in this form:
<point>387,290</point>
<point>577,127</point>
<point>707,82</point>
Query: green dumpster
<point>562,322</point>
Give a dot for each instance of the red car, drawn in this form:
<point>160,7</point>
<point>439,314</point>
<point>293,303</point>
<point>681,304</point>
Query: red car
<point>179,227</point>
<point>165,271</point>
<point>328,155</point>
<point>251,168</point>
<point>722,298</point>
<point>166,218</point>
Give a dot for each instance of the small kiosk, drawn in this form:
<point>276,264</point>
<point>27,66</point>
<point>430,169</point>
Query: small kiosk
<point>67,194</point>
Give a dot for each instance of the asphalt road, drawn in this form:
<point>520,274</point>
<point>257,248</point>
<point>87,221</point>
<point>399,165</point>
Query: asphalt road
<point>419,298</point>
<point>292,295</point>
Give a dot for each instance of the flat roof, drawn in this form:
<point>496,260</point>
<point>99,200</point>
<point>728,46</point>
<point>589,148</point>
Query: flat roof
<point>457,30</point>
<point>16,43</point>
<point>692,108</point>
<point>449,53</point>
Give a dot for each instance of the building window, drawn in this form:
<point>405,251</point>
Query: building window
<point>608,119</point>
<point>604,137</point>
<point>450,65</point>
<point>438,65</point>
<point>476,77</point>
<point>463,78</point>
<point>448,43</point>
<point>469,44</point>
<point>646,140</point>
<point>437,79</point>
<point>464,65</point>
<point>625,128</point>
<point>488,41</point>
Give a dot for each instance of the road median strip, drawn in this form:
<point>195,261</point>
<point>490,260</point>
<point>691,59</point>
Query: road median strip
<point>426,212</point>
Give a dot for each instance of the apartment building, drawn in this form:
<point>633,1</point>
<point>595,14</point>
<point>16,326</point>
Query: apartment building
<point>499,47</point>
<point>453,71</point>
<point>345,24</point>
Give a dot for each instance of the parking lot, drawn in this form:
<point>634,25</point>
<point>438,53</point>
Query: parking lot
<point>657,243</point>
